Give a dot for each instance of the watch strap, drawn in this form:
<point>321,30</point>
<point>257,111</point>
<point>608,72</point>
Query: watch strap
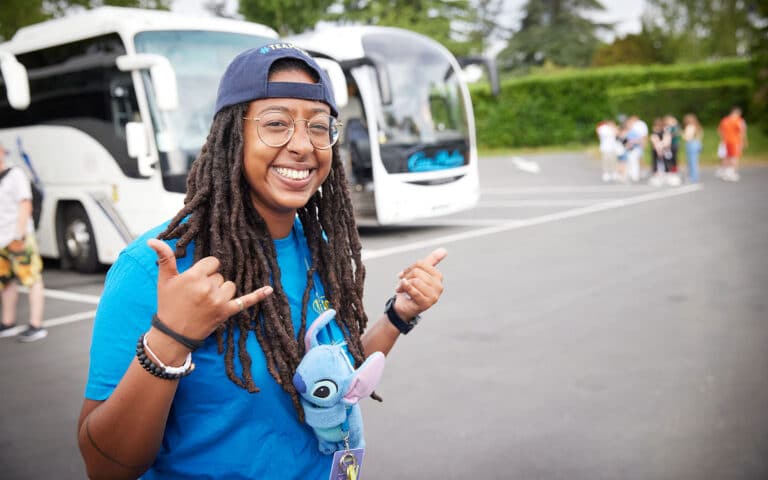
<point>403,326</point>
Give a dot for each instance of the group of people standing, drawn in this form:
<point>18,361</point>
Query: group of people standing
<point>622,148</point>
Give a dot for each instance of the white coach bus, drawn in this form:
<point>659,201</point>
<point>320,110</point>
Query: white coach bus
<point>109,108</point>
<point>119,105</point>
<point>409,132</point>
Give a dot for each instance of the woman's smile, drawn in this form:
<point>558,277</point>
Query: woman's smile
<point>292,173</point>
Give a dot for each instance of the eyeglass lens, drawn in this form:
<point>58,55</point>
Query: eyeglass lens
<point>276,129</point>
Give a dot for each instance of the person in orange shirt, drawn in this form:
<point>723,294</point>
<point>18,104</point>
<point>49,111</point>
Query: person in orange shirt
<point>733,134</point>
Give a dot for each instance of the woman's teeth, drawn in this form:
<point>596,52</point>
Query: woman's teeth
<point>292,174</point>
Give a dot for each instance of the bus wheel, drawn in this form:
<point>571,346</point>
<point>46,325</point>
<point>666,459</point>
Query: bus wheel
<point>78,240</point>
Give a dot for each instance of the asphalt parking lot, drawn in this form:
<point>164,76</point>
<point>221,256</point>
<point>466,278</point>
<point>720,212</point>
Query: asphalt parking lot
<point>587,331</point>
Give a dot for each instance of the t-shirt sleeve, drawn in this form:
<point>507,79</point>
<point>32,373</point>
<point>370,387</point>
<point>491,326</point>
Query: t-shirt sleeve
<point>21,188</point>
<point>124,313</point>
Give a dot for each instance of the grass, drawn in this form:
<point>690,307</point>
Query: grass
<point>755,154</point>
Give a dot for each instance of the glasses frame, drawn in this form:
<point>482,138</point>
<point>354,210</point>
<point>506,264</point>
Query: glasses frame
<point>293,129</point>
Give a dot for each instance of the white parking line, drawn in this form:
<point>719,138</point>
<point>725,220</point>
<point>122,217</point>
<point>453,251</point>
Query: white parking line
<point>528,222</point>
<point>75,317</point>
<point>72,297</point>
<point>540,203</point>
<point>65,295</point>
<point>565,189</point>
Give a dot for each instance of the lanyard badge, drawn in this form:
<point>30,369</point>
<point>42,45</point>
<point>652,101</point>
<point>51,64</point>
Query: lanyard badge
<point>346,463</point>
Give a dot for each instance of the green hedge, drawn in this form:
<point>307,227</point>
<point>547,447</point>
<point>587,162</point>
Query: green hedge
<point>564,107</point>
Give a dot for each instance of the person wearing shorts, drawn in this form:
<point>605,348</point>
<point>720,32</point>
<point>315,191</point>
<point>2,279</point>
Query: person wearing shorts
<point>733,134</point>
<point>20,262</point>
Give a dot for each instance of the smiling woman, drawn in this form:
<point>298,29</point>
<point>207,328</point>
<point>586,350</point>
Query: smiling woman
<point>266,241</point>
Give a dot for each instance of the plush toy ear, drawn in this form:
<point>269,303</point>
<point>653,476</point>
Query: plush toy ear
<point>310,339</point>
<point>365,379</point>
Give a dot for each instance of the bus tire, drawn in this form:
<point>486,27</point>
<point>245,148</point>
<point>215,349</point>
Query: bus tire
<point>77,240</point>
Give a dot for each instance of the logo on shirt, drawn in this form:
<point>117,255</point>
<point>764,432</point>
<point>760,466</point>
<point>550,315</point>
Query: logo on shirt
<point>320,304</point>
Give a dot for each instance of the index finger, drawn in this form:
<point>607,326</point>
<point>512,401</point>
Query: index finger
<point>436,256</point>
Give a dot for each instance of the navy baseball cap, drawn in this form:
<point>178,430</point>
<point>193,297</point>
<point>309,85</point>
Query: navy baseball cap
<point>246,78</point>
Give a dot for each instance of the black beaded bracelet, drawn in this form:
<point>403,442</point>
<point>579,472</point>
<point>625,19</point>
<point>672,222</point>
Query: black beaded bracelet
<point>186,341</point>
<point>154,368</point>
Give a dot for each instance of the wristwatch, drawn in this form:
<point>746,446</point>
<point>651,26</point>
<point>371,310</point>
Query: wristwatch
<point>398,322</point>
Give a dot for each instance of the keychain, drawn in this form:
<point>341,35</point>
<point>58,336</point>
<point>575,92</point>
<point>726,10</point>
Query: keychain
<point>347,462</point>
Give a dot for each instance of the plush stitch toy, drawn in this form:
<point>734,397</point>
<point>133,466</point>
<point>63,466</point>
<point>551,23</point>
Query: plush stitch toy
<point>330,388</point>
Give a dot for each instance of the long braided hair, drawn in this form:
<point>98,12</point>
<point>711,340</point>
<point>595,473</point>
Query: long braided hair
<point>223,222</point>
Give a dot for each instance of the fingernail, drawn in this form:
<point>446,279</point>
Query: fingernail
<point>268,290</point>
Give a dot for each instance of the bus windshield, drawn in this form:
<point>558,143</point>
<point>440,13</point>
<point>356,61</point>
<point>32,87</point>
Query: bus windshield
<point>199,59</point>
<point>426,102</point>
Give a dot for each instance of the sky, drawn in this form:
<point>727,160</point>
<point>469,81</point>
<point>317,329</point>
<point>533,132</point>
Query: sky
<point>624,13</point>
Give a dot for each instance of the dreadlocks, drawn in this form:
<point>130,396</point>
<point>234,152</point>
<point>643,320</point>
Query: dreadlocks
<point>219,217</point>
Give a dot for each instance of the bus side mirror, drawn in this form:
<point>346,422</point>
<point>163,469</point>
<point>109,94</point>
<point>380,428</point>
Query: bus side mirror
<point>16,81</point>
<point>162,74</point>
<point>338,81</point>
<point>382,75</point>
<point>490,67</point>
<point>138,147</point>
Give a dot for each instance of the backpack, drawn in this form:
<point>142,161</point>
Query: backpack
<point>37,198</point>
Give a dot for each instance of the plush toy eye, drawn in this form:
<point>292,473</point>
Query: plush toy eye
<point>324,389</point>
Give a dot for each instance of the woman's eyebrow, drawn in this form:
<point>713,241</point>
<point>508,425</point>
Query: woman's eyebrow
<point>282,108</point>
<point>278,108</point>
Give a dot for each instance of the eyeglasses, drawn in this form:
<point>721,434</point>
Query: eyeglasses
<point>277,128</point>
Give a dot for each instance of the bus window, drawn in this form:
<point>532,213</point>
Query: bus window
<point>123,103</point>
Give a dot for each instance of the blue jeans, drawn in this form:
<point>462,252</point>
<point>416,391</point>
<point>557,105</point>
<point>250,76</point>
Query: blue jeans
<point>692,150</point>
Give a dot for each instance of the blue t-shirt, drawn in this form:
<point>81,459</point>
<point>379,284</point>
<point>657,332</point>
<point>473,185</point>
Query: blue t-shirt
<point>215,429</point>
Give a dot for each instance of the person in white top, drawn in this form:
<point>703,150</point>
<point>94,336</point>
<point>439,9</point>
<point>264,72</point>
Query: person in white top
<point>607,131</point>
<point>639,134</point>
<point>20,261</point>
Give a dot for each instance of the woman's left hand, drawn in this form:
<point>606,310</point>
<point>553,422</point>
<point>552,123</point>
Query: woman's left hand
<point>420,286</point>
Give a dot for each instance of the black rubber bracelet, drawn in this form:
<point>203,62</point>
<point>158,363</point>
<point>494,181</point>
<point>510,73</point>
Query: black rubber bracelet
<point>186,341</point>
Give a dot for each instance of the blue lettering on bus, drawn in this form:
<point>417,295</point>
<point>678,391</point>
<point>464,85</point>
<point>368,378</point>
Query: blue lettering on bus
<point>420,162</point>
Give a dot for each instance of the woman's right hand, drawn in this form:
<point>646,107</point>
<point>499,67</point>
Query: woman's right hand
<point>197,301</point>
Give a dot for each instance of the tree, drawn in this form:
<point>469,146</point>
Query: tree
<point>636,49</point>
<point>695,30</point>
<point>439,20</point>
<point>217,8</point>
<point>285,16</point>
<point>759,108</point>
<point>15,14</point>
<point>554,31</point>
<point>482,27</point>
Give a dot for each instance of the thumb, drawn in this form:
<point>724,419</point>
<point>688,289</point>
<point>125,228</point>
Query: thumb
<point>436,256</point>
<point>166,260</point>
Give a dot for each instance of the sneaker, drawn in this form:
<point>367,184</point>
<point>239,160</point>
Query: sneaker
<point>673,180</point>
<point>8,330</point>
<point>731,176</point>
<point>32,334</point>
